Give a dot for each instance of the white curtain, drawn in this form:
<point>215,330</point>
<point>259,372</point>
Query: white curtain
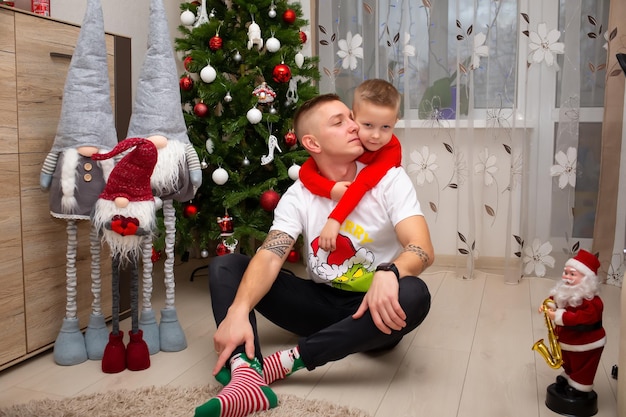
<point>503,125</point>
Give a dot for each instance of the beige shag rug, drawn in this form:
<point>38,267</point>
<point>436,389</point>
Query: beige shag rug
<point>165,402</point>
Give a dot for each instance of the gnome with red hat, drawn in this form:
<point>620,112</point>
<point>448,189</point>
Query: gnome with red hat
<point>577,318</point>
<point>125,216</point>
<point>157,115</point>
<point>74,180</point>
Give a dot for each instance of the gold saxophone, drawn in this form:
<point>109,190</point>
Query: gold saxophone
<point>552,355</point>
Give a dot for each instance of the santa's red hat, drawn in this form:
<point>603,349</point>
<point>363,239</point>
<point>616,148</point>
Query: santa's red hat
<point>131,176</point>
<point>585,262</point>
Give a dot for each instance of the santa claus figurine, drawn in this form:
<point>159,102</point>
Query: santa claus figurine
<point>577,318</point>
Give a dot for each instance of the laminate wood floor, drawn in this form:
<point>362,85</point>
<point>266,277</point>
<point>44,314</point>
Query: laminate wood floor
<point>471,357</point>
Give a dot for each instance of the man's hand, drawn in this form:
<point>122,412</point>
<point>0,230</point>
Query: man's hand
<point>233,331</point>
<point>339,190</point>
<point>382,301</point>
<point>328,236</point>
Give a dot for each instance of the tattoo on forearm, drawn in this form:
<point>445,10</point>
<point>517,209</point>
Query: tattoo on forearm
<point>421,253</point>
<point>278,242</point>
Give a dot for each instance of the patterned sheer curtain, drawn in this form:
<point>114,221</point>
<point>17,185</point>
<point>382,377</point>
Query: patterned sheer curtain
<point>511,123</point>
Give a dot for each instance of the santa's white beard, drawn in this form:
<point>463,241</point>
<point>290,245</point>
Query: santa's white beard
<point>127,247</point>
<point>572,295</point>
<point>164,179</point>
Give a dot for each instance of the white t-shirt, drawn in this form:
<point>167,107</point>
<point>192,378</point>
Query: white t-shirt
<point>366,238</point>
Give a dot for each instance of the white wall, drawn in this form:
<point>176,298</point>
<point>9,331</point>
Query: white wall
<point>128,18</point>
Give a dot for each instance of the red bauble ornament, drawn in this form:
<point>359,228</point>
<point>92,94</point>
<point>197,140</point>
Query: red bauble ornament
<point>269,200</point>
<point>291,138</point>
<point>215,43</point>
<point>293,256</point>
<point>281,73</point>
<point>200,109</point>
<point>289,16</point>
<point>156,255</point>
<point>188,60</point>
<point>303,37</point>
<point>221,249</point>
<point>190,210</point>
<point>186,83</point>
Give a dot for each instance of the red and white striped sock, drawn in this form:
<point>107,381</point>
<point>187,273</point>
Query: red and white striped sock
<point>281,364</point>
<point>246,393</point>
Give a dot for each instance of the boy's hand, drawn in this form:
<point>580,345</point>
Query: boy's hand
<point>338,190</point>
<point>328,236</point>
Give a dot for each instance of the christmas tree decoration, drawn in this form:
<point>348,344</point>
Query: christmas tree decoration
<point>303,37</point>
<point>156,255</point>
<point>226,225</point>
<point>289,16</point>
<point>272,44</point>
<point>281,73</point>
<point>264,93</point>
<point>269,200</point>
<point>291,138</point>
<point>294,172</point>
<point>294,256</point>
<point>208,74</point>
<point>299,58</point>
<point>187,62</point>
<point>221,249</point>
<point>200,109</point>
<point>272,144</point>
<point>215,43</point>
<point>203,17</point>
<point>204,253</point>
<point>190,210</point>
<point>187,18</point>
<point>226,138</point>
<point>186,83</point>
<point>254,115</point>
<point>220,176</point>
<point>204,164</point>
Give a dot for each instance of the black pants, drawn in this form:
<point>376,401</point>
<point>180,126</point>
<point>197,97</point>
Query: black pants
<point>320,314</point>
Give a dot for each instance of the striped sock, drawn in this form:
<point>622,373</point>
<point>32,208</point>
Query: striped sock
<point>246,393</point>
<point>281,364</point>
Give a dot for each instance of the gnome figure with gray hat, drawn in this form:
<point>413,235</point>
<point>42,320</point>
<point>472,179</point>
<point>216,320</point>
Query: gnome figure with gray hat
<point>74,180</point>
<point>157,115</point>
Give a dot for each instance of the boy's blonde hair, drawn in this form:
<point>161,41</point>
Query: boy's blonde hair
<point>379,92</point>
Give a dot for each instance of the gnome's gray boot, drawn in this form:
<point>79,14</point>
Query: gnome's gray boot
<point>69,346</point>
<point>171,333</point>
<point>96,337</point>
<point>150,328</point>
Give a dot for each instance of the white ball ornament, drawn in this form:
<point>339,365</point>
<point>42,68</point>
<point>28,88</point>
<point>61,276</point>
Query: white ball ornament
<point>272,44</point>
<point>204,253</point>
<point>299,60</point>
<point>254,115</point>
<point>220,176</point>
<point>228,98</point>
<point>294,172</point>
<point>187,18</point>
<point>208,74</point>
<point>272,13</point>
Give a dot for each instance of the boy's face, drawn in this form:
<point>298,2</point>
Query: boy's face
<point>376,124</point>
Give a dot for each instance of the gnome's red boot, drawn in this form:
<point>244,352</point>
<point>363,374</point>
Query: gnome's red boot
<point>114,358</point>
<point>137,353</point>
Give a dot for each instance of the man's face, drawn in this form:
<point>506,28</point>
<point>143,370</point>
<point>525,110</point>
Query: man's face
<point>571,276</point>
<point>336,131</point>
<point>376,124</point>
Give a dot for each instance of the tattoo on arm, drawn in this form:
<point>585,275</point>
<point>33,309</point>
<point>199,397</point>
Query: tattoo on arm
<point>278,242</point>
<point>421,253</point>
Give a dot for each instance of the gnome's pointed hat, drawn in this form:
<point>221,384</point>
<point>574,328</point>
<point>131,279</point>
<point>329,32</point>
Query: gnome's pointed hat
<point>131,176</point>
<point>157,109</point>
<point>86,112</point>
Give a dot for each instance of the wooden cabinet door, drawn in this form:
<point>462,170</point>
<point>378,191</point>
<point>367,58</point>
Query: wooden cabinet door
<point>43,50</point>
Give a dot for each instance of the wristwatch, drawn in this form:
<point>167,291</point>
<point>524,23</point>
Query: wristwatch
<point>389,266</point>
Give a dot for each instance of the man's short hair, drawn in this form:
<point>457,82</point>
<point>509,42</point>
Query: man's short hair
<point>379,92</point>
<point>308,106</point>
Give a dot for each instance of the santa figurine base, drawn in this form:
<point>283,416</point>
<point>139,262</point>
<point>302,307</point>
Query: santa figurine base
<point>564,400</point>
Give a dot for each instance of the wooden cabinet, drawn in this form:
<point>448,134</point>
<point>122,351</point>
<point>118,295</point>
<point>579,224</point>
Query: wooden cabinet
<point>35,54</point>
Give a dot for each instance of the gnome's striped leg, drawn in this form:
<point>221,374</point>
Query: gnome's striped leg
<point>114,358</point>
<point>69,346</point>
<point>171,333</point>
<point>147,320</point>
<point>97,334</point>
<point>137,353</point>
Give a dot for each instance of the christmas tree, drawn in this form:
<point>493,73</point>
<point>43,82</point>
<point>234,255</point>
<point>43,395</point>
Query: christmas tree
<point>245,77</point>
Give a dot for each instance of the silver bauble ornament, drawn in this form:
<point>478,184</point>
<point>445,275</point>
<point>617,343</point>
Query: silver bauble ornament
<point>204,253</point>
<point>203,164</point>
<point>272,13</point>
<point>245,162</point>
<point>228,98</point>
<point>237,57</point>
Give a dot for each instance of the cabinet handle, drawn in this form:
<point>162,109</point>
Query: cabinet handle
<point>60,55</point>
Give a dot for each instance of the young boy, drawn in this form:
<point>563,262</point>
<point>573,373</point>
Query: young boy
<point>375,109</point>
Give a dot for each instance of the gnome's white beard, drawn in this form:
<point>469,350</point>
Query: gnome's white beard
<point>164,179</point>
<point>572,295</point>
<point>127,247</point>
